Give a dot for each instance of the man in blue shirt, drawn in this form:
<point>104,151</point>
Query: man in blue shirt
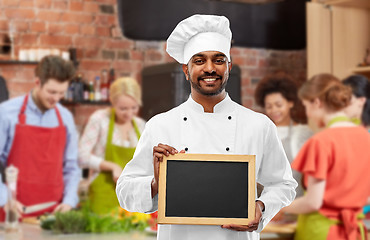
<point>38,136</point>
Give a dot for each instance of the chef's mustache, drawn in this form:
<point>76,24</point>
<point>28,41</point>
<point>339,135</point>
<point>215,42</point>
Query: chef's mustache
<point>208,75</point>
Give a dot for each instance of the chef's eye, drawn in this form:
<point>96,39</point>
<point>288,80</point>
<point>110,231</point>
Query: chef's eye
<point>220,61</point>
<point>198,61</point>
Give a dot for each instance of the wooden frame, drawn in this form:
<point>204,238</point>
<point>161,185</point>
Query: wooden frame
<point>204,220</point>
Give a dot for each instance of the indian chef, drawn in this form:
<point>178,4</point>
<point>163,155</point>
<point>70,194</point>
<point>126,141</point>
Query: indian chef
<point>38,136</point>
<point>209,122</point>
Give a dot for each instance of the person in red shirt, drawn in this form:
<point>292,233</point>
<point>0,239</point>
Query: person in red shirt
<point>334,164</point>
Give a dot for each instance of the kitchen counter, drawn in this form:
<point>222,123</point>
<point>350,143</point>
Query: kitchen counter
<point>34,232</point>
<point>273,231</point>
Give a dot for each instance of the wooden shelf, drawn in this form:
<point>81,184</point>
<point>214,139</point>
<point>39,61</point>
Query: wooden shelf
<point>348,3</point>
<point>362,70</point>
<point>14,62</point>
<point>17,62</point>
<point>68,103</point>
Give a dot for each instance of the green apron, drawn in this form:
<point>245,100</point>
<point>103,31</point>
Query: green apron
<point>102,191</point>
<point>316,226</point>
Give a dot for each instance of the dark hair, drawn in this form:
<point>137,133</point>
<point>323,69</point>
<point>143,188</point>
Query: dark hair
<point>361,88</point>
<point>276,83</point>
<point>282,83</point>
<point>329,89</point>
<point>56,68</point>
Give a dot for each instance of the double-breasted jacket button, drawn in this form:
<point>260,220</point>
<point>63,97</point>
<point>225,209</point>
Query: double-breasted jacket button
<point>229,117</point>
<point>185,118</point>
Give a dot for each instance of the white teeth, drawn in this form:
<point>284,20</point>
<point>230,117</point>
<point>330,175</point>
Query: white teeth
<point>209,79</point>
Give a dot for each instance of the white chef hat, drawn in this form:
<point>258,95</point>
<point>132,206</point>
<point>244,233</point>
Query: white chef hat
<point>199,33</point>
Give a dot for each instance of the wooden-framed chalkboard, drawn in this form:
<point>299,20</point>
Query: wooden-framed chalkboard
<point>206,189</point>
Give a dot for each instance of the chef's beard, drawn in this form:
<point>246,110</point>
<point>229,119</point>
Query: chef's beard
<point>196,86</point>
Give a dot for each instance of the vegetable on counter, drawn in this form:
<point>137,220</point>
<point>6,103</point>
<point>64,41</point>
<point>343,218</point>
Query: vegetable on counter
<point>85,221</point>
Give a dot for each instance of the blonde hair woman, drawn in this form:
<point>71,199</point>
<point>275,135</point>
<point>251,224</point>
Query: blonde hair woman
<point>334,164</point>
<point>109,141</point>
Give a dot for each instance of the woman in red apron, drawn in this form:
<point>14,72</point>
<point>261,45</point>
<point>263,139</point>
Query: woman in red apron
<point>334,164</point>
<point>109,142</point>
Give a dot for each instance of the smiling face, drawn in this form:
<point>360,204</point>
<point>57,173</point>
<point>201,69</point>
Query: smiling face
<point>50,93</point>
<point>208,73</point>
<point>278,109</point>
<point>125,107</point>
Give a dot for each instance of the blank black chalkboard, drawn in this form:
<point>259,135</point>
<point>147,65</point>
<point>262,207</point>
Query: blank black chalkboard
<point>207,189</point>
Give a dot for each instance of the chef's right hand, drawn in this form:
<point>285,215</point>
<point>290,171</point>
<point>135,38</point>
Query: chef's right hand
<point>159,152</point>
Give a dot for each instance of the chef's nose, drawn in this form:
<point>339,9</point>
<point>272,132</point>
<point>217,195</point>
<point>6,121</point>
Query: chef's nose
<point>209,66</point>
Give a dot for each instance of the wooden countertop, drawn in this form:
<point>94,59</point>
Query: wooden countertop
<point>30,230</point>
<point>34,232</point>
<point>273,231</point>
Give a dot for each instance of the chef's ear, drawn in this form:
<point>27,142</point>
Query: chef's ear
<point>185,69</point>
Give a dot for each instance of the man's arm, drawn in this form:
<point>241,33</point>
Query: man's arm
<point>134,191</point>
<point>3,193</point>
<point>71,171</point>
<point>275,174</point>
<point>4,129</point>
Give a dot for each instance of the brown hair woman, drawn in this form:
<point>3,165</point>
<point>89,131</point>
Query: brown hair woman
<point>333,163</point>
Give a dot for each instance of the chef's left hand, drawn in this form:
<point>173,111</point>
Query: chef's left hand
<point>62,208</point>
<point>253,225</point>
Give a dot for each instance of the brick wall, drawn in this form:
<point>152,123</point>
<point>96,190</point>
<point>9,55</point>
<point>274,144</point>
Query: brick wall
<point>91,26</point>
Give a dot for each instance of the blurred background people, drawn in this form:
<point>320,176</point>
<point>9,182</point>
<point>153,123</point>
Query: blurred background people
<point>38,136</point>
<point>359,107</point>
<point>109,141</point>
<point>334,164</point>
<point>277,94</point>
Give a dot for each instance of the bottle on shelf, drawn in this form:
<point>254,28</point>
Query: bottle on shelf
<point>111,77</point>
<point>78,89</point>
<point>70,91</point>
<point>86,93</point>
<point>11,212</point>
<point>97,89</point>
<point>91,91</point>
<point>104,88</point>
